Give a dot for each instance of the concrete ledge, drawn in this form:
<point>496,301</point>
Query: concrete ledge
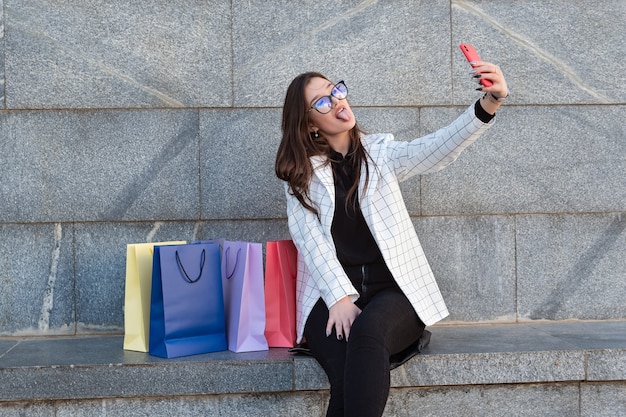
<point>92,367</point>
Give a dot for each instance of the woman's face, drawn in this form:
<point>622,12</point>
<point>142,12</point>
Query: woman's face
<point>338,121</point>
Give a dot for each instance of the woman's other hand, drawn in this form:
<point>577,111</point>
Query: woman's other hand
<point>341,316</point>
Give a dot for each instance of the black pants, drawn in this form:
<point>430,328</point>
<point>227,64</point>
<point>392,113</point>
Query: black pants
<point>358,370</point>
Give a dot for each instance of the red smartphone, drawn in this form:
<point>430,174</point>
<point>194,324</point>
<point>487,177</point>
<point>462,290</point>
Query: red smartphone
<point>472,56</point>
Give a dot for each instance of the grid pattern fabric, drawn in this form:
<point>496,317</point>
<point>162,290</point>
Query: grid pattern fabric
<point>319,272</point>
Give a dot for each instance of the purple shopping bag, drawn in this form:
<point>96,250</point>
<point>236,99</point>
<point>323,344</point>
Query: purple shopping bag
<point>244,299</point>
<point>186,306</point>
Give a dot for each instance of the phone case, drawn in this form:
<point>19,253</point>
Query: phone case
<point>472,56</point>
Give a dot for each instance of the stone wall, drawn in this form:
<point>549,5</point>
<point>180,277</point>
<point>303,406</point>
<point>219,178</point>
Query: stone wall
<point>127,122</point>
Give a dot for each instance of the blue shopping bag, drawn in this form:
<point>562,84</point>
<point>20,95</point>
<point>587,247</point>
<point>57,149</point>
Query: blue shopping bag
<point>186,306</point>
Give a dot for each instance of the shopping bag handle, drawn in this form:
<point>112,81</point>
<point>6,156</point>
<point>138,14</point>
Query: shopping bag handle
<point>229,276</point>
<point>182,268</point>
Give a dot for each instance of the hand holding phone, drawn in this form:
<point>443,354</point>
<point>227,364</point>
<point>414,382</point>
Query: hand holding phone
<point>472,56</point>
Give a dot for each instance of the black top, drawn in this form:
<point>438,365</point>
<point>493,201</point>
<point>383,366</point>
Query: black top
<point>353,239</point>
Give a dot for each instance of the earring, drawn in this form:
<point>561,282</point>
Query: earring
<point>316,134</point>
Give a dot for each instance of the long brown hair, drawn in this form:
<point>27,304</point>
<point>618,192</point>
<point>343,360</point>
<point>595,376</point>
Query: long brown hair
<point>297,146</point>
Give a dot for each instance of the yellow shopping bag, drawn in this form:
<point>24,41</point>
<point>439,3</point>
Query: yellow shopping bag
<point>137,294</point>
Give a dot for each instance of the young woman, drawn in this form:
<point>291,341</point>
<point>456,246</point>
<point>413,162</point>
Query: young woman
<point>365,291</point>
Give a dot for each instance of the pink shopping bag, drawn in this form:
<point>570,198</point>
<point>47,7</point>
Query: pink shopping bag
<point>280,293</point>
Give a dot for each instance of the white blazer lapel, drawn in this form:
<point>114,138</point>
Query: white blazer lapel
<point>367,195</point>
<point>374,173</point>
<point>323,191</point>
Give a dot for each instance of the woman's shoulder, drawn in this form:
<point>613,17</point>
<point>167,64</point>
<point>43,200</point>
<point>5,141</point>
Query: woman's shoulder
<point>376,145</point>
<point>374,139</point>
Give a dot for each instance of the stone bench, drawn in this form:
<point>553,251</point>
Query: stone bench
<point>556,369</point>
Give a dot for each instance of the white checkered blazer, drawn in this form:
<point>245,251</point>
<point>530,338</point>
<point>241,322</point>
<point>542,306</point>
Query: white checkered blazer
<point>319,272</point>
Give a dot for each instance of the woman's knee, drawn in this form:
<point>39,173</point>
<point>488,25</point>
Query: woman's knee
<point>365,333</point>
<point>389,320</point>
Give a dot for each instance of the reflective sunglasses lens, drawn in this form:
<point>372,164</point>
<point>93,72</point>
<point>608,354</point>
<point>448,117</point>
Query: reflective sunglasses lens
<point>323,105</point>
<point>340,91</point>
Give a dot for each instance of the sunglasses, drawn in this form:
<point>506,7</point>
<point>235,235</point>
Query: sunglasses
<point>324,104</point>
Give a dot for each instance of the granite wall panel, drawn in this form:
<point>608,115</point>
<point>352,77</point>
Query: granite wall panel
<point>571,267</point>
<point>557,159</point>
<point>63,166</point>
<point>473,259</point>
<point>2,75</point>
<point>117,54</point>
<point>485,401</point>
<point>36,276</point>
<point>238,150</point>
<point>553,52</point>
<point>603,399</point>
<point>392,53</point>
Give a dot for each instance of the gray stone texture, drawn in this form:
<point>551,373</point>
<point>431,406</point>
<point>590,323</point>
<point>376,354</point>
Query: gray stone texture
<point>596,400</point>
<point>238,149</point>
<point>390,53</point>
<point>308,374</point>
<point>275,404</point>
<point>494,368</point>
<point>140,407</point>
<point>473,370</point>
<point>485,401</point>
<point>76,281</point>
<point>473,259</point>
<point>563,159</point>
<point>603,400</point>
<point>36,276</point>
<point>30,409</point>
<point>552,53</point>
<point>61,166</point>
<point>2,76</point>
<point>118,54</point>
<point>571,267</point>
<point>92,366</point>
<point>607,364</point>
<point>280,404</point>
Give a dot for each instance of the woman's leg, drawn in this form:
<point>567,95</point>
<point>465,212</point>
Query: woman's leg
<point>387,325</point>
<point>330,353</point>
<point>358,371</point>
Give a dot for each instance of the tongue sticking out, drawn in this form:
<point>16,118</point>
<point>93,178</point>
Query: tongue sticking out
<point>343,115</point>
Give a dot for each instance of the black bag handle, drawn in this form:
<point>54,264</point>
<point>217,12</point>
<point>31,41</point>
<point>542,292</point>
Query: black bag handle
<point>182,268</point>
<point>229,276</point>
